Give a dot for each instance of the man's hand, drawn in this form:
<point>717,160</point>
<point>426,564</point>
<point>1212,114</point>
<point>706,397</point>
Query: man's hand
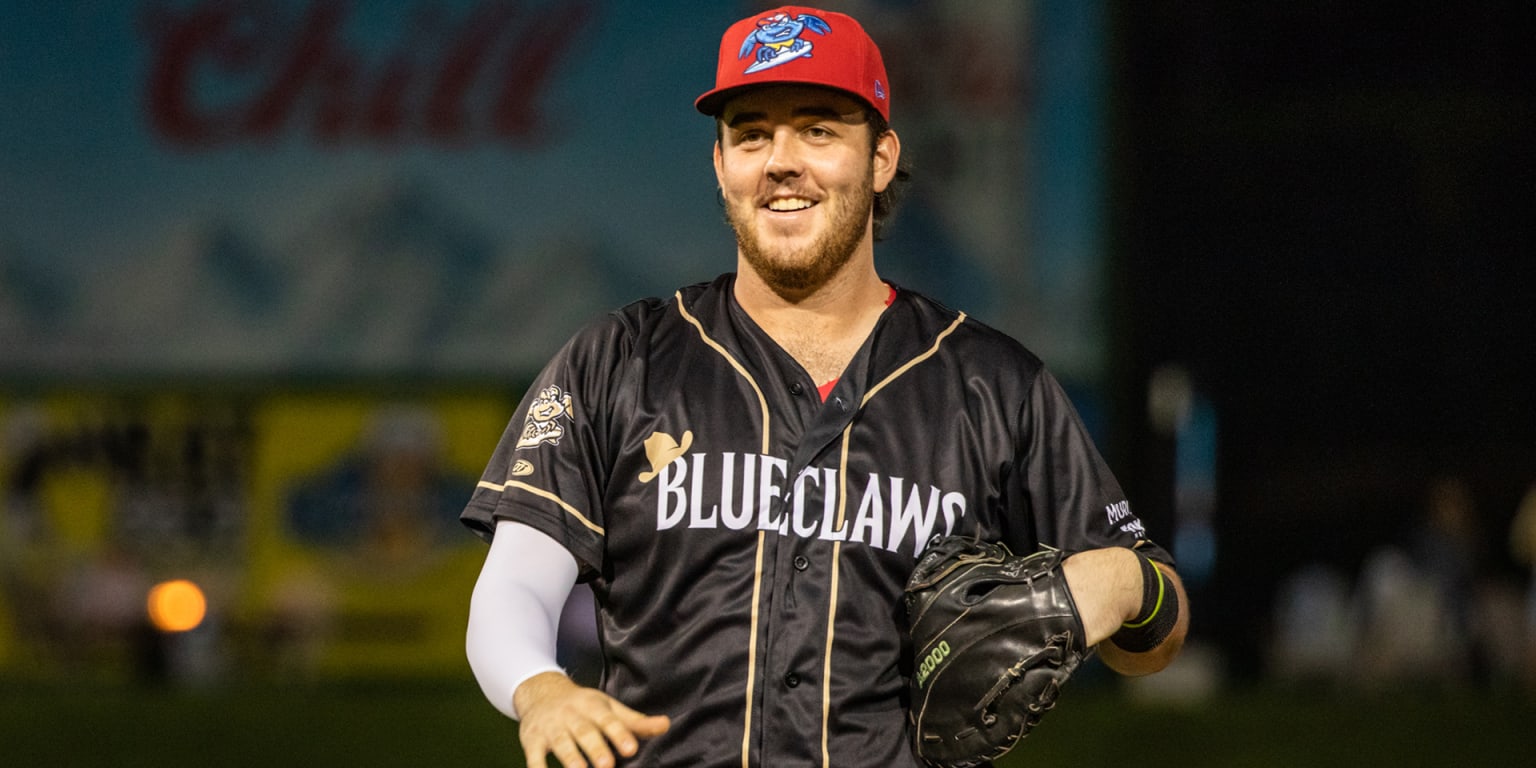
<point>578,724</point>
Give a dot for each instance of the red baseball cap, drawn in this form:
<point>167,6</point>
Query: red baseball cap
<point>794,44</point>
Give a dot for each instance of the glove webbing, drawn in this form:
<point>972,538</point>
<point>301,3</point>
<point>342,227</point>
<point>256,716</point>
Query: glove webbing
<point>1051,653</point>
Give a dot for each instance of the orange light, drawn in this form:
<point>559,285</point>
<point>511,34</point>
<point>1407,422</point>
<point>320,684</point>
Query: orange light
<point>176,606</point>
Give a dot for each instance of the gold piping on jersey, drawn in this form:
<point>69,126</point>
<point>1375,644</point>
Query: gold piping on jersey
<point>837,560</point>
<point>826,663</point>
<point>757,588</point>
<point>914,361</point>
<point>541,493</point>
<point>762,402</point>
<point>757,578</point>
<point>837,546</point>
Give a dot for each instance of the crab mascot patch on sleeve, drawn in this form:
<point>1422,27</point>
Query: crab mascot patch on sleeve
<point>544,415</point>
<point>780,39</point>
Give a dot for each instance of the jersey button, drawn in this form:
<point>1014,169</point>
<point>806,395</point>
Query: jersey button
<point>801,563</point>
<point>796,390</point>
<point>792,680</point>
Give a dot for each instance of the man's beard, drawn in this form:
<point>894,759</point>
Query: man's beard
<point>799,272</point>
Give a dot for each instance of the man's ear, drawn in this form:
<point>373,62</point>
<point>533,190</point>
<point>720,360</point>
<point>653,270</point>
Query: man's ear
<point>719,171</point>
<point>887,157</point>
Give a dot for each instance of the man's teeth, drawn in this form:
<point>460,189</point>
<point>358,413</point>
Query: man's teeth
<point>789,204</point>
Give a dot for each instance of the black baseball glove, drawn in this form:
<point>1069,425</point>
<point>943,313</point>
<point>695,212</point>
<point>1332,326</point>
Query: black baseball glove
<point>994,637</point>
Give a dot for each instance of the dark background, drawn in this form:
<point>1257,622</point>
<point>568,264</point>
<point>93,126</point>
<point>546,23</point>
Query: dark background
<point>1324,211</point>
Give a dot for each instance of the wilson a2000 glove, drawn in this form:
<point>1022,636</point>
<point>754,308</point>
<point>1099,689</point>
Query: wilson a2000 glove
<point>994,637</point>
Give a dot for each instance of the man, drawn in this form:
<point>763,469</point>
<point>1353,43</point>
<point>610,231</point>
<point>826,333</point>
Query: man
<point>747,471</point>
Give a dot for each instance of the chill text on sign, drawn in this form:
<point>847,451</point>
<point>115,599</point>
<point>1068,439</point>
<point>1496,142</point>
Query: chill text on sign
<point>226,71</point>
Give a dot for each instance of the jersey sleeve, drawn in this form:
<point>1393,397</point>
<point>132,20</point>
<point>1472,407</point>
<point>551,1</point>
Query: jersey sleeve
<point>1074,501</point>
<point>551,467</point>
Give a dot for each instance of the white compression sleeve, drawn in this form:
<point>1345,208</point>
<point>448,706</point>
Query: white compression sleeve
<point>514,611</point>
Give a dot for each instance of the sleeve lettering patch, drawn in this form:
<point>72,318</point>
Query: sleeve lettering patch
<point>1119,514</point>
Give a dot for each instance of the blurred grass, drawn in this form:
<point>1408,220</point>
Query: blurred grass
<point>442,723</point>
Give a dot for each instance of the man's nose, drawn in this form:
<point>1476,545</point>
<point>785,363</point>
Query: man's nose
<point>784,159</point>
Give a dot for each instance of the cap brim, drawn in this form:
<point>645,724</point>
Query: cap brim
<point>712,103</point>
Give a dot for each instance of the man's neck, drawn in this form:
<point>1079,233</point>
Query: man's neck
<point>823,328</point>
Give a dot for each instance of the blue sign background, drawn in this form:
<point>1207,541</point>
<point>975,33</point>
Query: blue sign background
<point>451,188</point>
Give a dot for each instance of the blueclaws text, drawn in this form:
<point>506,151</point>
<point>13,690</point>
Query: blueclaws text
<point>750,491</point>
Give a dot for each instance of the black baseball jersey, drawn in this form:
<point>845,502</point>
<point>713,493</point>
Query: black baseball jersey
<point>748,543</point>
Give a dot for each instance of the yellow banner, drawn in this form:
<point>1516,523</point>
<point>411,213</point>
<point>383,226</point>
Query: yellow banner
<point>320,525</point>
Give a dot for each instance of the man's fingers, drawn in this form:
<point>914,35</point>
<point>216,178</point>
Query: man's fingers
<point>651,726</point>
<point>583,727</point>
<point>534,751</point>
<point>595,744</point>
<point>645,726</point>
<point>625,727</point>
<point>637,724</point>
<point>620,736</point>
<point>566,752</point>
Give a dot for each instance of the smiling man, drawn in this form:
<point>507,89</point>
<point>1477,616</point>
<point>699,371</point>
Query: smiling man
<point>742,478</point>
<point>798,168</point>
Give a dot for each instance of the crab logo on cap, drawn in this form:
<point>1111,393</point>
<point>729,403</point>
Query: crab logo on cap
<point>778,39</point>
